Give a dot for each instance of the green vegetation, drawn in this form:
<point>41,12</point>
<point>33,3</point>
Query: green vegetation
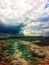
<point>16,46</point>
<point>24,48</point>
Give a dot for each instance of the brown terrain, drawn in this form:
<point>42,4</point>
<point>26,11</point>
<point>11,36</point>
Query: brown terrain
<point>41,49</point>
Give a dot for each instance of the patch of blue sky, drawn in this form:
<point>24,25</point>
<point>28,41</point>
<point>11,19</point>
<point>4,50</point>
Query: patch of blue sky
<point>47,5</point>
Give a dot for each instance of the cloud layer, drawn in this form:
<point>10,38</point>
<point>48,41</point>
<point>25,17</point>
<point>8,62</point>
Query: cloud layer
<point>30,17</point>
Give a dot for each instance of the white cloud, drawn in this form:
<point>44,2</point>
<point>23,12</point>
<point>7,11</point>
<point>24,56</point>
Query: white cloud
<point>32,32</point>
<point>13,12</point>
<point>46,30</point>
<point>45,24</point>
<point>13,8</point>
<point>17,8</point>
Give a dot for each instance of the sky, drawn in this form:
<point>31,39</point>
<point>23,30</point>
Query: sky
<point>24,17</point>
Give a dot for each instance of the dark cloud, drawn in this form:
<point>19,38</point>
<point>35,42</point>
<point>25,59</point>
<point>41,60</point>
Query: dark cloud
<point>43,19</point>
<point>47,33</point>
<point>11,29</point>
